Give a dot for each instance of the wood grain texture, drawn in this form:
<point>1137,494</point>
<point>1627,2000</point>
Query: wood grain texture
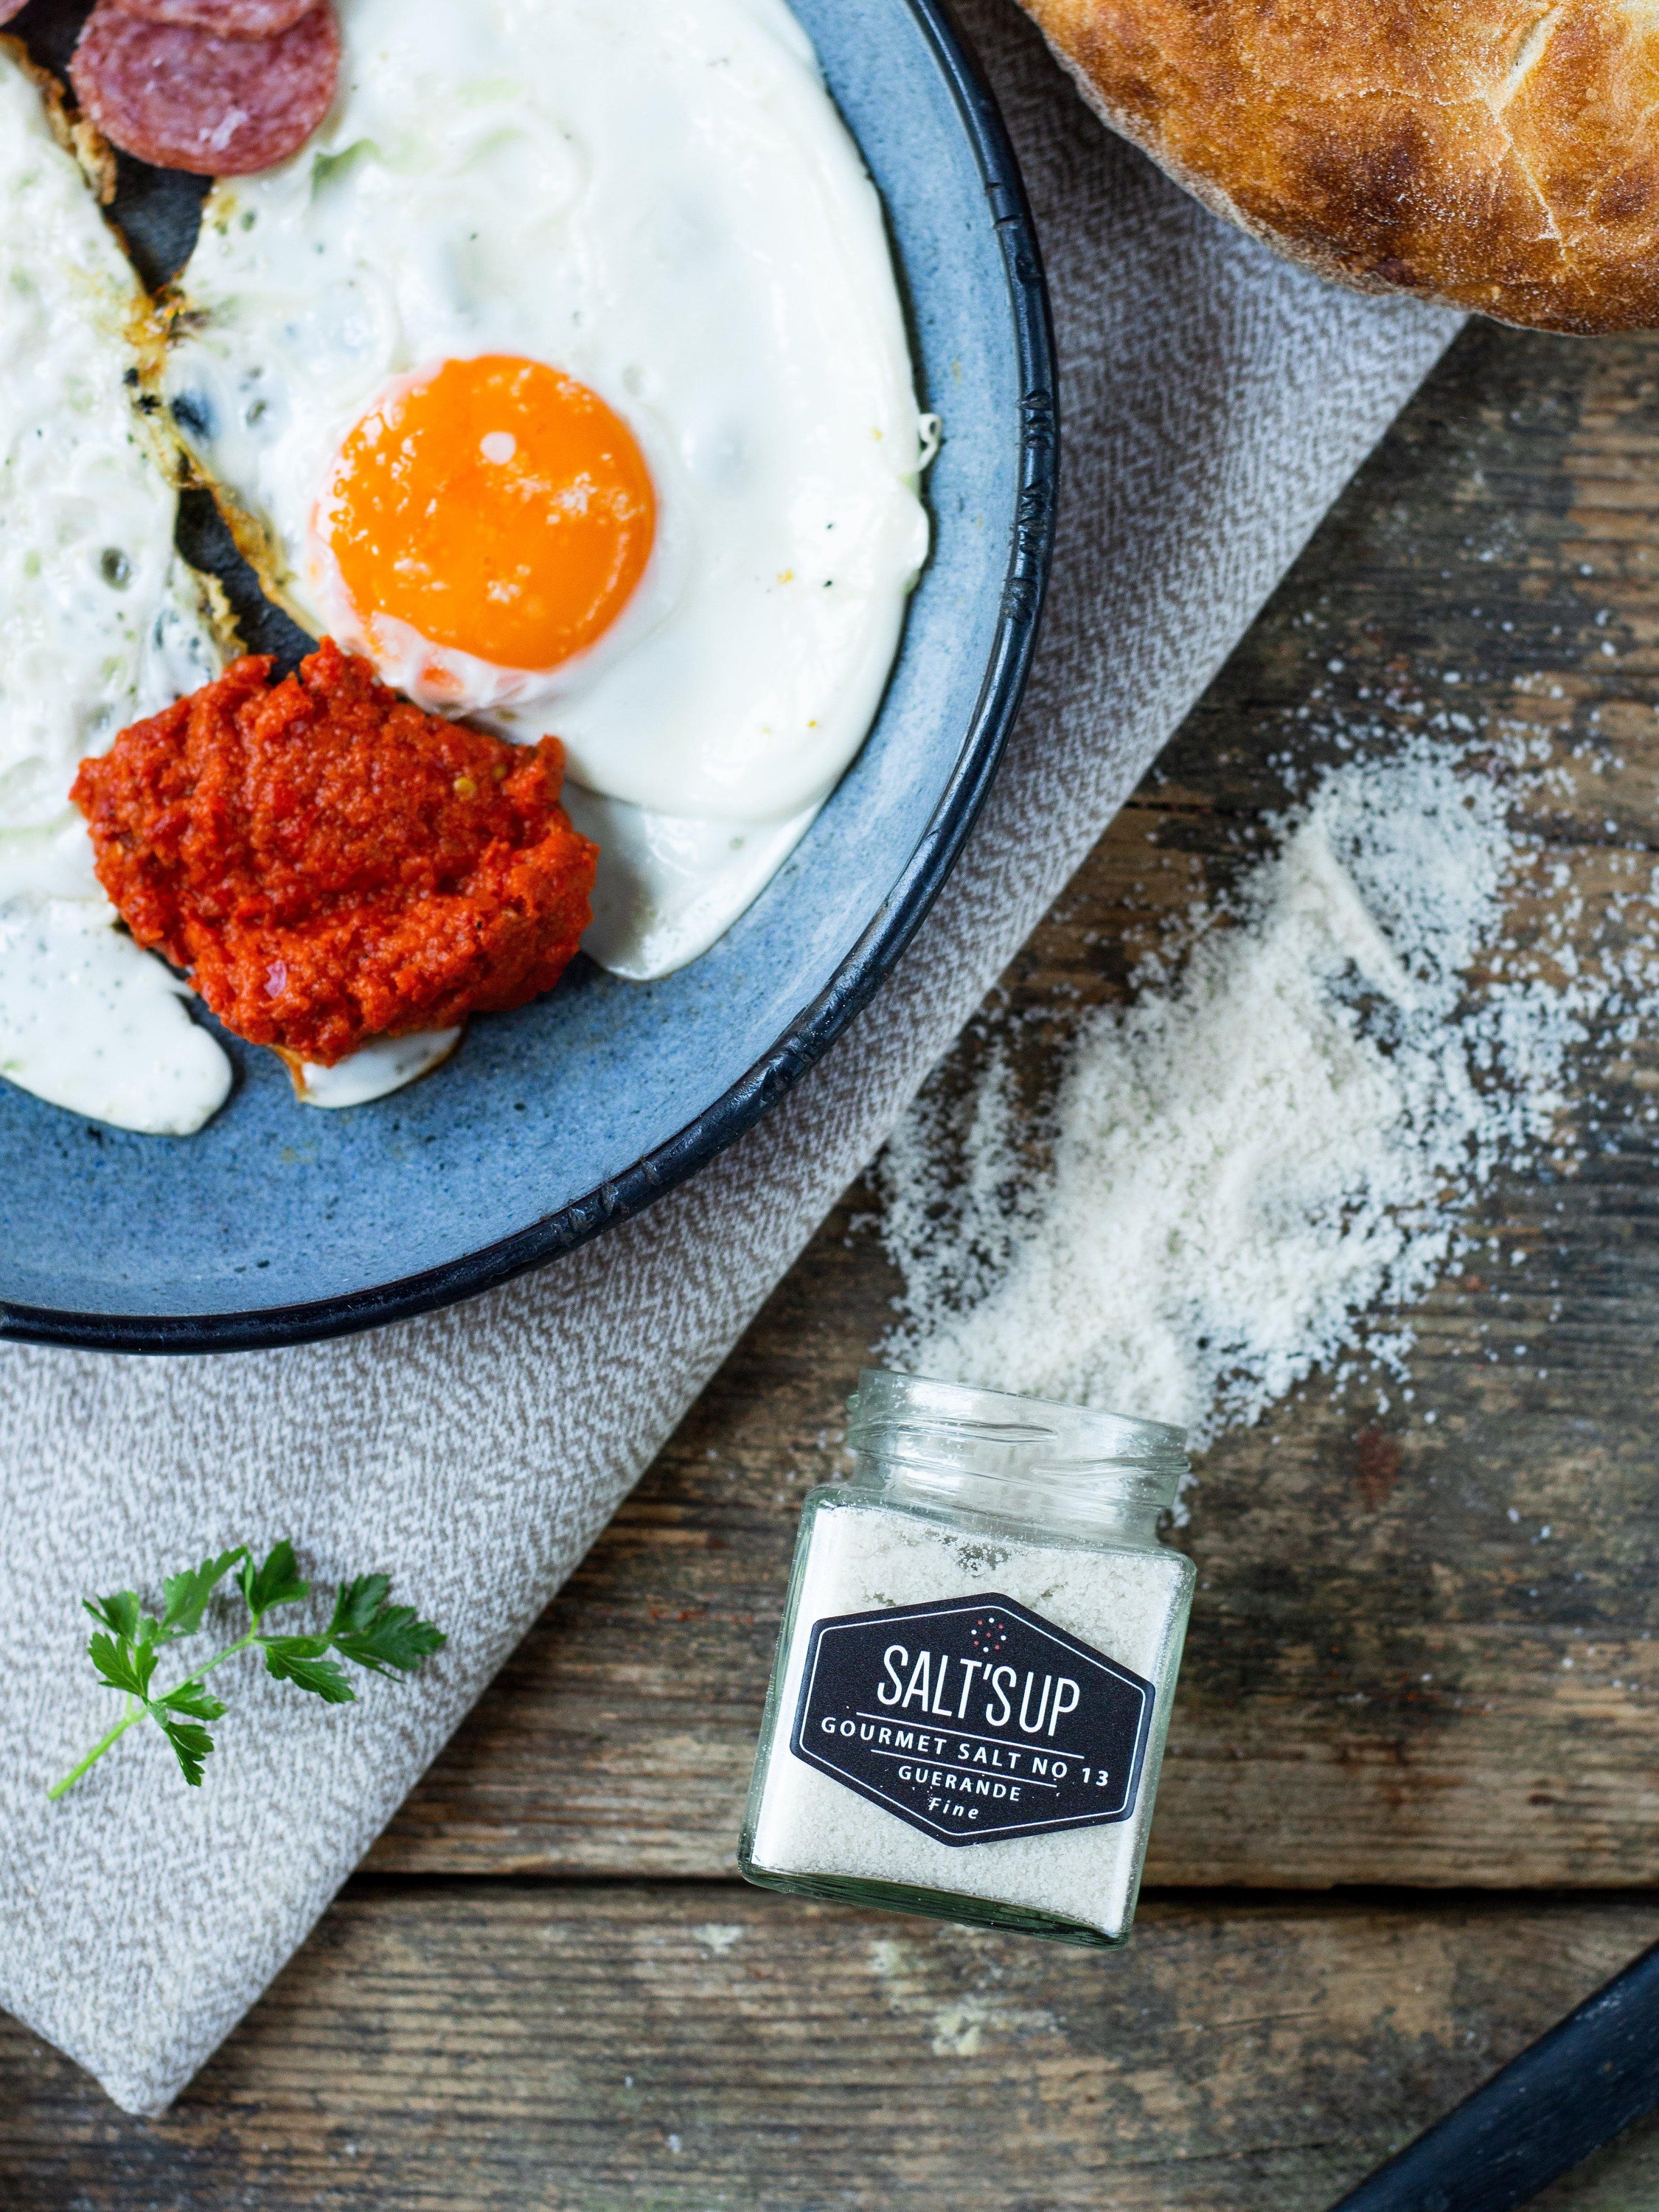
<point>500,2046</point>
<point>1394,1675</point>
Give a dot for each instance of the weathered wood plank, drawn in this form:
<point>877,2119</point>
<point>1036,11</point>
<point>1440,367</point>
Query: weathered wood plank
<point>472,2047</point>
<point>1394,1674</point>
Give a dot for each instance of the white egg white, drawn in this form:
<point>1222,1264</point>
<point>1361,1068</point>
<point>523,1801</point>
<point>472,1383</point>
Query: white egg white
<point>669,885</point>
<point>100,622</point>
<point>660,201</point>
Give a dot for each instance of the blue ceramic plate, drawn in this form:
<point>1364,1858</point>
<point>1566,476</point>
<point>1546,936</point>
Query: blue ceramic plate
<point>279,1223</point>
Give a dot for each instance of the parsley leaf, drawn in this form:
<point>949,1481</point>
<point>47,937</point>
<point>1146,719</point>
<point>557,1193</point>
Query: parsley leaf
<point>298,1659</point>
<point>277,1583</point>
<point>192,1698</point>
<point>192,1743</point>
<point>366,1628</point>
<point>119,1613</point>
<point>186,1595</point>
<point>376,1635</point>
<point>358,1603</point>
<point>124,1666</point>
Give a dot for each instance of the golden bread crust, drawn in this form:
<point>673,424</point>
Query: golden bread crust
<point>1496,154</point>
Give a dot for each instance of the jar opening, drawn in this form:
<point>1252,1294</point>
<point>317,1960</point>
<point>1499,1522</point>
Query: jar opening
<point>948,1430</point>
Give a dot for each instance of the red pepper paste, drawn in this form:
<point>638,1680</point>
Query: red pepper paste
<point>329,863</point>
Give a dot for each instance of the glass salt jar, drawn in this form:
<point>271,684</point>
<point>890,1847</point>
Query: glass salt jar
<point>978,1654</point>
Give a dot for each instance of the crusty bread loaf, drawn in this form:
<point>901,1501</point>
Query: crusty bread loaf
<point>1499,154</point>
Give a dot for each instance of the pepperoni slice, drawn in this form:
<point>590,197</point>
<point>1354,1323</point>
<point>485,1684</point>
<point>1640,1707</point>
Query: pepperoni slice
<point>227,19</point>
<point>186,99</point>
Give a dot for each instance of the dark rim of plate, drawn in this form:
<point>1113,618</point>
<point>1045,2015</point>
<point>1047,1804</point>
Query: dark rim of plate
<point>881,946</point>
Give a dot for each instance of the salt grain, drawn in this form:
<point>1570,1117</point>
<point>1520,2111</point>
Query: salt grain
<point>1262,1148</point>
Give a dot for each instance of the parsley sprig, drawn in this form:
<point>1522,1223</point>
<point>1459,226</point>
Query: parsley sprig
<point>366,1628</point>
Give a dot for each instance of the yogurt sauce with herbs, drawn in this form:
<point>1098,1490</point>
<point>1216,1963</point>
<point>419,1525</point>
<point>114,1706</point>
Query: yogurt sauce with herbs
<point>100,622</point>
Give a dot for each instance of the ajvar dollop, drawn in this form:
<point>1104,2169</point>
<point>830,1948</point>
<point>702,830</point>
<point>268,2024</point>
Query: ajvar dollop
<point>329,863</point>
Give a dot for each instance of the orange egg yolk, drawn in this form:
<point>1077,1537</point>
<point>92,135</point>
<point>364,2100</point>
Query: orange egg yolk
<point>495,506</point>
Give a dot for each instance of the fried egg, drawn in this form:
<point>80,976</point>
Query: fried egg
<point>564,374</point>
<point>100,622</point>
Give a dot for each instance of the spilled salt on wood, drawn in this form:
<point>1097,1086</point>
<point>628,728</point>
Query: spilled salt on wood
<point>1261,1150</point>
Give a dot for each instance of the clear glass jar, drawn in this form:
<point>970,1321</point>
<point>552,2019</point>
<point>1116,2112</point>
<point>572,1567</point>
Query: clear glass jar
<point>974,1676</point>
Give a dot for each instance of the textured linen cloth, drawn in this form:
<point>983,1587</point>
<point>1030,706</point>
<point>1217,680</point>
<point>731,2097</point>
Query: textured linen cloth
<point>1214,402</point>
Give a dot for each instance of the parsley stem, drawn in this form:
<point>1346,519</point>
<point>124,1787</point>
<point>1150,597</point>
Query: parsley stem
<point>365,1628</point>
<point>229,1652</point>
<point>135,1713</point>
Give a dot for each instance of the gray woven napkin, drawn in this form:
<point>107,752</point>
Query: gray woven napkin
<point>1214,401</point>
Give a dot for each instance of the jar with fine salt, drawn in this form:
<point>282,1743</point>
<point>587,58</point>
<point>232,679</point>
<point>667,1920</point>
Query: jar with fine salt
<point>973,1678</point>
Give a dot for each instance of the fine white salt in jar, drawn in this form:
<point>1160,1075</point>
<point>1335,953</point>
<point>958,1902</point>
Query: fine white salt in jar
<point>979,1650</point>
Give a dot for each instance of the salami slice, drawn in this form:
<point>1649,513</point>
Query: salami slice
<point>227,19</point>
<point>186,99</point>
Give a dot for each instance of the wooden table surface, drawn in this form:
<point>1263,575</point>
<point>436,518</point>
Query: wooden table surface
<point>1411,1811</point>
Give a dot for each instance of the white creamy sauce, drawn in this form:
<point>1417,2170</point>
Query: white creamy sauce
<point>99,623</point>
<point>89,1021</point>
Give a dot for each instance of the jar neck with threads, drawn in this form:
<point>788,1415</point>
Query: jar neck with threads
<point>1066,1468</point>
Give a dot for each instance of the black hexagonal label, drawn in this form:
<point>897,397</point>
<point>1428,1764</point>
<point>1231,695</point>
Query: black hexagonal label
<point>973,1718</point>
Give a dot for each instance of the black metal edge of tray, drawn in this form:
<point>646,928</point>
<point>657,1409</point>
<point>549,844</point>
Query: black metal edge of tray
<point>877,950</point>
